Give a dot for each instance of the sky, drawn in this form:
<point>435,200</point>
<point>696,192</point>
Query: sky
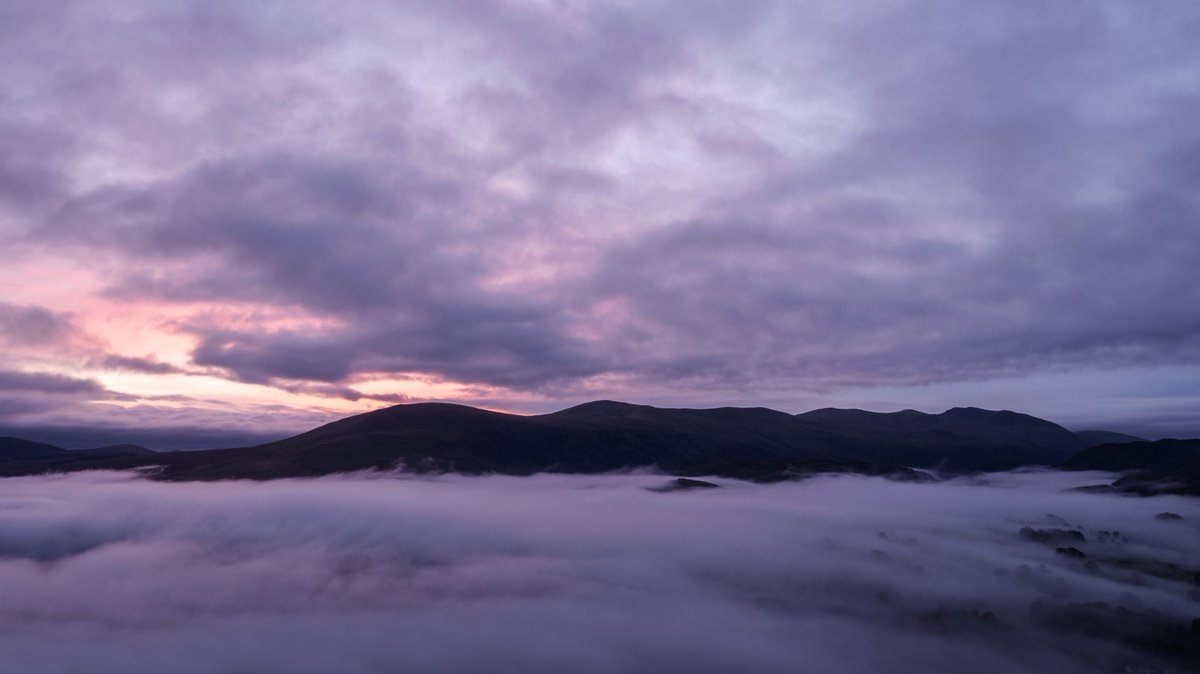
<point>224,220</point>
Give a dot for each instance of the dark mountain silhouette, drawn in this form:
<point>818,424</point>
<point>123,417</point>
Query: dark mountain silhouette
<point>16,448</point>
<point>1096,438</point>
<point>1160,467</point>
<point>1157,455</point>
<point>115,450</point>
<point>22,457</point>
<point>606,435</point>
<point>959,439</point>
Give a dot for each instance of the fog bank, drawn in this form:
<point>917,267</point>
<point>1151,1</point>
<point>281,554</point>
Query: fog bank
<point>108,572</point>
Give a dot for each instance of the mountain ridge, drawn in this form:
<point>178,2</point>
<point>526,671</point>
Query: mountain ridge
<point>608,435</point>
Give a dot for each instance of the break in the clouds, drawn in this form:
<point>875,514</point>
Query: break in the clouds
<point>537,201</point>
<point>377,573</point>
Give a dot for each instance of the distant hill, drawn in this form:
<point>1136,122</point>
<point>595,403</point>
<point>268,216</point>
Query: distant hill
<point>1096,438</point>
<point>1160,467</point>
<point>959,439</point>
<point>115,450</point>
<point>608,435</point>
<point>14,449</point>
<point>23,457</point>
<point>1157,455</point>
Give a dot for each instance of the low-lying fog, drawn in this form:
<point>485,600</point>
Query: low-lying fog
<point>108,572</point>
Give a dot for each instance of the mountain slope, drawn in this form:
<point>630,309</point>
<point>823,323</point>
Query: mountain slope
<point>1160,467</point>
<point>1097,438</point>
<point>15,449</point>
<point>587,439</point>
<point>23,457</point>
<point>607,435</point>
<point>959,439</point>
<point>1158,455</point>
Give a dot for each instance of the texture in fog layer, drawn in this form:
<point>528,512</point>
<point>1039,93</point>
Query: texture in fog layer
<point>110,572</point>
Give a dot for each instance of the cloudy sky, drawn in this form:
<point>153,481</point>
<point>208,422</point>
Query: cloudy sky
<point>251,217</point>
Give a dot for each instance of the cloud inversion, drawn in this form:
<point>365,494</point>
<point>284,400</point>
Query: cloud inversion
<point>374,574</point>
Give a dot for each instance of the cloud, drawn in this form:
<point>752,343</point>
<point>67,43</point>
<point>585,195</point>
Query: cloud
<point>147,365</point>
<point>26,326</point>
<point>587,573</point>
<point>163,423</point>
<point>346,393</point>
<point>67,431</point>
<point>364,251</point>
<point>555,199</point>
<point>26,396</point>
<point>973,226</point>
<point>43,382</point>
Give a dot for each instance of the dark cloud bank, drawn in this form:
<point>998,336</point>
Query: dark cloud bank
<point>374,574</point>
<point>901,193</point>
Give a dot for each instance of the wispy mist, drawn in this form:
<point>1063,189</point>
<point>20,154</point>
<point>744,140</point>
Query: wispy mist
<point>109,572</point>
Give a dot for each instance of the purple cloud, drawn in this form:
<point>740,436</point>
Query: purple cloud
<point>136,364</point>
<point>24,326</point>
<point>552,201</point>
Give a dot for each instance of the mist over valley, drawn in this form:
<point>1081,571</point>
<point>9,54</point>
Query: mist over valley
<point>378,572</point>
